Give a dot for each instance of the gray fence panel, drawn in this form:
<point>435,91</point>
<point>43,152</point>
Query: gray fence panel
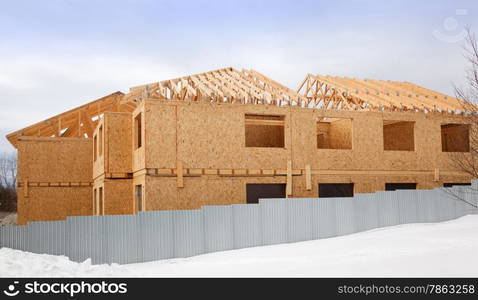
<point>435,203</point>
<point>366,212</point>
<point>300,217</point>
<point>47,237</point>
<point>122,239</point>
<point>471,197</point>
<point>457,194</point>
<point>218,228</point>
<point>87,239</point>
<point>15,237</point>
<point>447,205</point>
<point>388,207</point>
<point>423,206</point>
<point>345,213</point>
<point>157,235</point>
<point>188,233</point>
<point>247,225</point>
<point>167,234</point>
<point>274,221</point>
<point>36,237</point>
<point>407,206</point>
<point>325,210</point>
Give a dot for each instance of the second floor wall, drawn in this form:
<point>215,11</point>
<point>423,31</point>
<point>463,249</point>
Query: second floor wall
<point>266,137</point>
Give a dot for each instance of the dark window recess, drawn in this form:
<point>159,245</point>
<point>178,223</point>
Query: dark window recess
<point>101,204</point>
<point>400,186</point>
<point>327,190</point>
<point>256,191</point>
<point>451,184</point>
<point>137,132</point>
<point>455,138</point>
<point>398,135</point>
<point>139,197</point>
<point>95,147</point>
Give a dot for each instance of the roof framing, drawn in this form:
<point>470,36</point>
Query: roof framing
<point>78,122</point>
<point>334,92</point>
<point>249,87</point>
<point>220,86</point>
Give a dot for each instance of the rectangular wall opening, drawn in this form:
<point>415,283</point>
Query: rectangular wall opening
<point>451,184</point>
<point>95,147</point>
<point>95,202</point>
<point>455,138</point>
<point>138,141</point>
<point>100,202</point>
<point>256,191</point>
<point>334,133</point>
<point>100,141</point>
<point>264,131</point>
<point>138,192</point>
<point>398,135</point>
<point>400,186</point>
<point>327,190</point>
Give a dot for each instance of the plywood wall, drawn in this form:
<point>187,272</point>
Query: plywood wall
<point>209,139</point>
<point>116,141</point>
<point>55,159</point>
<point>117,195</point>
<point>58,172</point>
<point>53,203</point>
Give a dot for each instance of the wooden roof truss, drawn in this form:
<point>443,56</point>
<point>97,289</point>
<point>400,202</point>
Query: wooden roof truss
<point>220,86</point>
<point>329,92</point>
<point>78,122</point>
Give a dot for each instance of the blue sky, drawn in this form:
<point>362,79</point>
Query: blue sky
<point>55,55</point>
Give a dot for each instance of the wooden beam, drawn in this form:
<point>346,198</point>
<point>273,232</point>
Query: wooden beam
<point>25,189</point>
<point>289,178</point>
<point>265,122</point>
<point>179,170</point>
<point>308,178</point>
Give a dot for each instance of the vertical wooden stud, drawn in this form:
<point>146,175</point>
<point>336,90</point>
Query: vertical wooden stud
<point>437,175</point>
<point>179,174</point>
<point>308,178</point>
<point>25,189</point>
<point>289,178</point>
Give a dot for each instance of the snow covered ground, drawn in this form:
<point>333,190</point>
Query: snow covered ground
<point>428,250</point>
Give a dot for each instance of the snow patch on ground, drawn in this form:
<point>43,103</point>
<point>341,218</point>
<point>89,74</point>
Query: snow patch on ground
<point>445,249</point>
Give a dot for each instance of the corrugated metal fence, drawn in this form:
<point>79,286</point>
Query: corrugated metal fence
<point>155,235</point>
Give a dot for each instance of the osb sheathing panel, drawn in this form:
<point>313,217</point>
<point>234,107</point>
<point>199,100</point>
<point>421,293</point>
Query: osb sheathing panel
<point>138,154</point>
<point>55,159</point>
<point>118,142</point>
<point>160,135</point>
<point>53,203</point>
<point>340,134</point>
<point>162,193</point>
<point>99,160</point>
<point>213,136</point>
<point>208,136</point>
<point>118,195</point>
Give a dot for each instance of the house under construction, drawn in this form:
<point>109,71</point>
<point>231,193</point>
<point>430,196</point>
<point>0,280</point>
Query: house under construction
<point>230,136</point>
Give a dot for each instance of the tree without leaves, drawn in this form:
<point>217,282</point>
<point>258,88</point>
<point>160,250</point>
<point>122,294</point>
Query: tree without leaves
<point>467,162</point>
<point>8,176</point>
